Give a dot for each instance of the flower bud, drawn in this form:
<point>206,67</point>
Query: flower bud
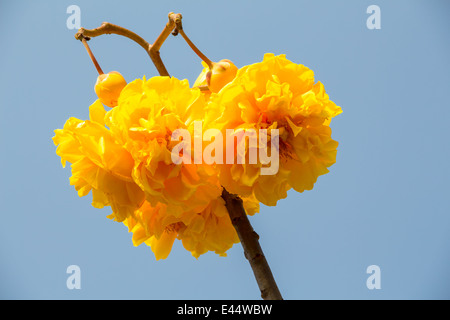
<point>108,88</point>
<point>222,73</point>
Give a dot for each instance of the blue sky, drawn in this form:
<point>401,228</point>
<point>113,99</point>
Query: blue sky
<point>385,201</point>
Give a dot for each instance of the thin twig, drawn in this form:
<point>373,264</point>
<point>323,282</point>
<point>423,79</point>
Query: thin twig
<point>173,19</point>
<point>194,47</point>
<point>109,28</point>
<point>91,55</point>
<point>252,250</point>
<point>152,50</point>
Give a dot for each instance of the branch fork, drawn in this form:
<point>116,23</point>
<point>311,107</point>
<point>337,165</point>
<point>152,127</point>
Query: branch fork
<point>174,26</point>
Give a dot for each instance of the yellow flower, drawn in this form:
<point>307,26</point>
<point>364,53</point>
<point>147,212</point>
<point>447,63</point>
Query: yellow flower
<point>200,232</point>
<point>276,94</point>
<point>99,164</point>
<point>155,227</point>
<point>148,112</point>
<point>124,157</point>
<point>183,200</point>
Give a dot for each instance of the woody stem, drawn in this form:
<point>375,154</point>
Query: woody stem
<point>252,249</point>
<point>196,50</point>
<point>179,29</point>
<point>152,50</point>
<point>91,55</point>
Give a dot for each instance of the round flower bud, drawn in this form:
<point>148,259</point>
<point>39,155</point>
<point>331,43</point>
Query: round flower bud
<point>108,87</point>
<point>222,73</point>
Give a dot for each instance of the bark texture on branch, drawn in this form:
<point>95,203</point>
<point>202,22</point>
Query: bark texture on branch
<point>252,250</point>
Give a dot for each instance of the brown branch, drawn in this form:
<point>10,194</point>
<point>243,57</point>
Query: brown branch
<point>152,50</point>
<point>196,50</point>
<point>252,250</point>
<point>174,18</point>
<point>109,28</point>
<point>179,30</point>
<point>91,55</point>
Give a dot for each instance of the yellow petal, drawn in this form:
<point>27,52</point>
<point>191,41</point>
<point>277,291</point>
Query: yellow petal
<point>161,247</point>
<point>97,112</point>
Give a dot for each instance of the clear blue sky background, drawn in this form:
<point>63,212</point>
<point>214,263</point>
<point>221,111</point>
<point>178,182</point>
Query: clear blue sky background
<point>385,201</point>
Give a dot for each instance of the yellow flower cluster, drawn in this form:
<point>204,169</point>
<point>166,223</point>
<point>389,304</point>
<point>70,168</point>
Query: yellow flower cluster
<point>124,155</point>
<point>277,94</point>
